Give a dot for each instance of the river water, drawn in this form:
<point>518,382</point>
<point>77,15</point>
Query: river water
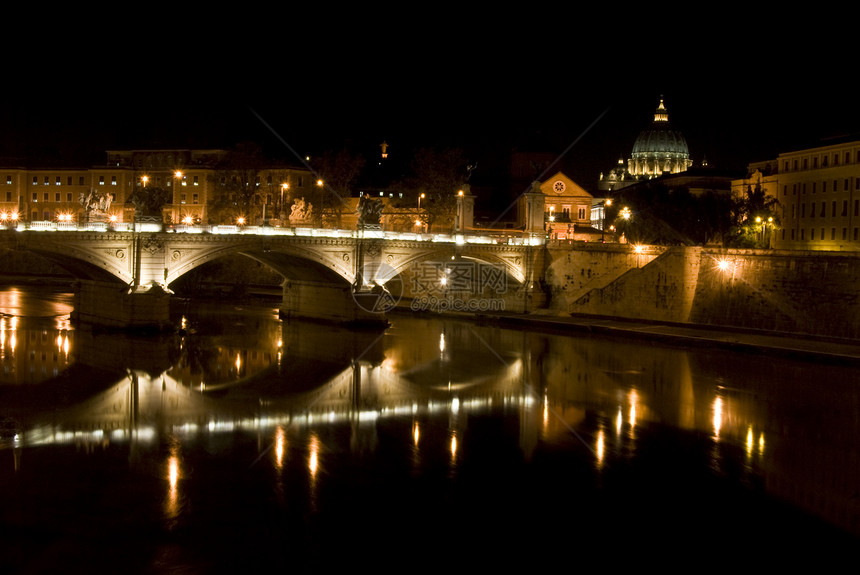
<point>242,444</point>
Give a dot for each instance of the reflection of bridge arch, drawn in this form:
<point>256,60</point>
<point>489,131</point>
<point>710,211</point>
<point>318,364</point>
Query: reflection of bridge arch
<point>139,406</point>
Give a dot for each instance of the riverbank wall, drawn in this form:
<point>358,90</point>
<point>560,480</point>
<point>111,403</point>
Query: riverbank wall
<point>792,292</point>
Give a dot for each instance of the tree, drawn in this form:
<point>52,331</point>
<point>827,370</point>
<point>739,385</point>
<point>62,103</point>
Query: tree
<point>338,172</point>
<point>438,174</point>
<point>756,216</point>
<point>237,190</point>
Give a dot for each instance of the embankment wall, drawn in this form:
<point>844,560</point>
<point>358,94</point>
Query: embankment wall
<point>802,292</point>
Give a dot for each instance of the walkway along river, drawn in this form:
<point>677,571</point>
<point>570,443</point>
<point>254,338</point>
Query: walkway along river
<point>242,443</point>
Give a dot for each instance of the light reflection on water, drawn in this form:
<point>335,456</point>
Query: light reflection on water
<point>242,419</point>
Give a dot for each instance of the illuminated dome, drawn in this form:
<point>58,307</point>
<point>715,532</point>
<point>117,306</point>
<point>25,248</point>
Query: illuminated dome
<point>659,149</point>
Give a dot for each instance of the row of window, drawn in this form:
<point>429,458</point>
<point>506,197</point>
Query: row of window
<point>822,236</point>
<point>826,161</point>
<point>846,186</point>
<point>58,181</point>
<point>822,211</point>
<point>58,197</point>
<point>195,181</point>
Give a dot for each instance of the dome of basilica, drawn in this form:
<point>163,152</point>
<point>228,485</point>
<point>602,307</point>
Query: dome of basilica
<point>659,149</point>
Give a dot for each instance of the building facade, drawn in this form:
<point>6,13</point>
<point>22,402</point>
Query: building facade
<point>192,178</point>
<point>818,191</point>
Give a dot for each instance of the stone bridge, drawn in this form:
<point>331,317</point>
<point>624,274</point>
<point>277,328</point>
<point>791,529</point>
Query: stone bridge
<point>331,275</point>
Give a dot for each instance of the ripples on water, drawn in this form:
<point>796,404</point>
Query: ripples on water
<point>242,442</point>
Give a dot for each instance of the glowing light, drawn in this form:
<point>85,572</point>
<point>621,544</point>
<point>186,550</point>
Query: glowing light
<point>280,442</point>
<point>442,342</point>
<point>453,445</point>
<point>416,433</point>
<point>750,440</point>
<point>725,264</point>
<point>600,447</point>
<point>626,214</point>
<point>240,221</point>
<point>173,472</point>
<point>618,421</point>
<point>633,401</point>
<point>638,249</point>
<point>718,415</point>
<point>313,456</point>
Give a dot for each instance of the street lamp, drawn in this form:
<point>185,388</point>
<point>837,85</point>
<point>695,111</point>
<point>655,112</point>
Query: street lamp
<point>177,199</point>
<point>281,212</point>
<point>319,211</point>
<point>605,204</point>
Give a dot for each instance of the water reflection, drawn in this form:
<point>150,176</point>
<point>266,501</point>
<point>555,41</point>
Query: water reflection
<point>318,408</point>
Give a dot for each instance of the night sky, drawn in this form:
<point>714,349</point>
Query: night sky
<point>497,93</point>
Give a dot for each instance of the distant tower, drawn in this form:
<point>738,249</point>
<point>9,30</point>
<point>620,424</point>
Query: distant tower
<point>659,149</point>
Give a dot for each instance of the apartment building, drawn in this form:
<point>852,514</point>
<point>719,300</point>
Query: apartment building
<point>192,177</point>
<point>818,190</point>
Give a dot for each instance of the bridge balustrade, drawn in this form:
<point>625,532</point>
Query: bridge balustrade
<point>470,237</point>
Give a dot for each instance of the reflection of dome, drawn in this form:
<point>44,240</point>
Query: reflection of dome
<point>659,149</point>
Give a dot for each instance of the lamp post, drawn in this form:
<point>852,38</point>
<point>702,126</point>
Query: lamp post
<point>604,204</point>
<point>319,216</point>
<point>177,197</point>
<point>282,213</point>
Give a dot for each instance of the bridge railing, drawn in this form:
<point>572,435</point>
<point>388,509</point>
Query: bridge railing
<point>471,237</point>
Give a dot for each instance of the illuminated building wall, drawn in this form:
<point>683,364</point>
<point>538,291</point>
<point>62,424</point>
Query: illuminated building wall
<point>818,190</point>
<point>44,194</point>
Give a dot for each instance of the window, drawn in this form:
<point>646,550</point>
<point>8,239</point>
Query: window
<point>68,196</point>
<point>195,201</point>
<point>80,180</point>
<point>35,181</point>
<point>57,197</point>
<point>35,197</point>
<point>833,209</point>
<point>812,234</point>
<point>196,180</point>
<point>844,208</point>
<point>8,196</point>
<point>113,180</point>
<point>46,195</point>
<point>832,233</point>
<point>57,181</point>
<point>69,181</point>
<point>101,180</point>
<point>9,180</point>
<point>47,180</point>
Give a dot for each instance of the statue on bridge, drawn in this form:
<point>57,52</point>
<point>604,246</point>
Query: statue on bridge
<point>369,212</point>
<point>301,212</point>
<point>96,204</point>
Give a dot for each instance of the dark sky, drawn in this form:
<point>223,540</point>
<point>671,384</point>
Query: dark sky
<point>585,103</point>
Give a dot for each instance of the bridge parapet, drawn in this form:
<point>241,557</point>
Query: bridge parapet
<point>318,260</point>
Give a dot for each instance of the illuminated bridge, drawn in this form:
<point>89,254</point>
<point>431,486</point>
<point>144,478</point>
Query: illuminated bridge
<point>124,271</point>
